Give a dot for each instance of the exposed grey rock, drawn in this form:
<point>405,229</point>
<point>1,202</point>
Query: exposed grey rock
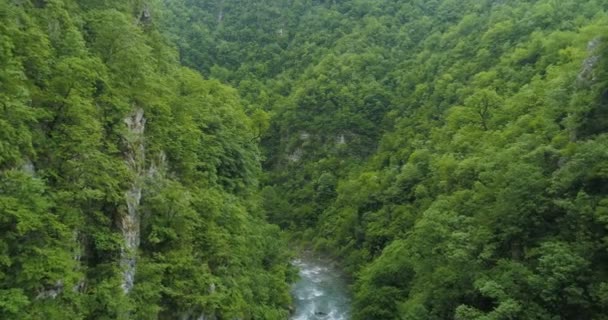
<point>51,293</point>
<point>130,224</point>
<point>296,155</point>
<point>341,139</point>
<point>304,136</point>
<point>28,167</point>
<point>587,74</point>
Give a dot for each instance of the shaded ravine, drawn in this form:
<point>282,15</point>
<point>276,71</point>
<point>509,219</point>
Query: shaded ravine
<point>321,292</point>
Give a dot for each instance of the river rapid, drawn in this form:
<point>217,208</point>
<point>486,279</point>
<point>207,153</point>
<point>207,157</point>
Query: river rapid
<point>321,292</point>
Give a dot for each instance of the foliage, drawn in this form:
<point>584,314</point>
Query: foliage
<point>452,153</point>
<point>72,73</point>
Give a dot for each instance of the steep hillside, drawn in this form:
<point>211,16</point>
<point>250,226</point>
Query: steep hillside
<point>127,182</point>
<point>452,153</point>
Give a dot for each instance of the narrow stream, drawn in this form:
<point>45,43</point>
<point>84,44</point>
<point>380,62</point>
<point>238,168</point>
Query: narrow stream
<point>321,293</point>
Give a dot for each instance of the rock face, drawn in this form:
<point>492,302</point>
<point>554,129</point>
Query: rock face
<point>130,224</point>
<point>341,139</point>
<point>189,316</point>
<point>52,292</point>
<point>587,74</point>
<point>28,167</point>
<point>145,17</point>
<point>296,155</point>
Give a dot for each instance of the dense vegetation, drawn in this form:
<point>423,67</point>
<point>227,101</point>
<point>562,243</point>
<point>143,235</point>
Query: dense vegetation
<point>452,153</point>
<point>115,160</point>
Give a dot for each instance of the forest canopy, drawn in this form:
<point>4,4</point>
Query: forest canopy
<point>451,154</point>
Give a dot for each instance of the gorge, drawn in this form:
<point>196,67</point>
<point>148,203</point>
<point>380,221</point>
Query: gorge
<point>161,159</point>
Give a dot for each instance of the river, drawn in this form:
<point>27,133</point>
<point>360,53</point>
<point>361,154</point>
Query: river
<point>321,293</point>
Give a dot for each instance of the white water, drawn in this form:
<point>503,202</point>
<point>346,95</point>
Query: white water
<point>321,293</point>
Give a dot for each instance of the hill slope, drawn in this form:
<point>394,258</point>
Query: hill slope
<point>453,153</point>
<point>127,182</point>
